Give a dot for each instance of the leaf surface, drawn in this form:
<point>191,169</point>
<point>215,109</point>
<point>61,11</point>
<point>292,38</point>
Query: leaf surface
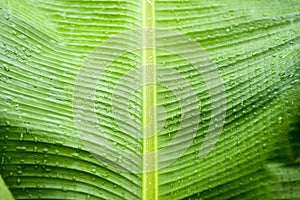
<point>48,152</point>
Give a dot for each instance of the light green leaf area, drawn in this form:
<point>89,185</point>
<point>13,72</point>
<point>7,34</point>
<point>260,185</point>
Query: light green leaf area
<point>4,192</point>
<point>254,45</point>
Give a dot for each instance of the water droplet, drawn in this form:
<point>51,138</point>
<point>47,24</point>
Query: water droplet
<point>21,148</point>
<point>21,137</point>
<point>280,120</point>
<point>93,170</point>
<point>6,67</point>
<point>18,181</point>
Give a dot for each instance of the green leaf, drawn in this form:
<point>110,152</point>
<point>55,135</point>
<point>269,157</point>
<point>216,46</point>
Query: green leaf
<point>4,192</point>
<point>79,80</point>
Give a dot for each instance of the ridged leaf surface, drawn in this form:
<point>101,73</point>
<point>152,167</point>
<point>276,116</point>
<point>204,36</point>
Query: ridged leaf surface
<point>254,47</point>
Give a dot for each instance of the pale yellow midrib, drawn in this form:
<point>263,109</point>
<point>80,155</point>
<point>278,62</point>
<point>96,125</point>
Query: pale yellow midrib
<point>150,184</point>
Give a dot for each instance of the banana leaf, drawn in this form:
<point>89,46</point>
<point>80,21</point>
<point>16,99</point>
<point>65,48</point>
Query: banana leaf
<point>149,99</point>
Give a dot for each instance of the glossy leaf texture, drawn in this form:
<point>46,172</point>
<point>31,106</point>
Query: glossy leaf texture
<point>254,46</point>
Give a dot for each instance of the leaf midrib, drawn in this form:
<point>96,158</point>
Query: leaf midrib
<point>150,183</point>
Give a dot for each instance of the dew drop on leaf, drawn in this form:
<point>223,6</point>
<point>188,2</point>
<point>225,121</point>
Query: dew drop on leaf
<point>21,148</point>
<point>18,181</point>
